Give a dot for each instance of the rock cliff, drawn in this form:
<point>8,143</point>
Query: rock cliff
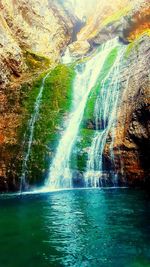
<point>28,28</point>
<point>125,19</point>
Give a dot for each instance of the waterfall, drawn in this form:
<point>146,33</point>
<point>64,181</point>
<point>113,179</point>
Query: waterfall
<point>87,75</point>
<point>29,139</point>
<point>105,114</point>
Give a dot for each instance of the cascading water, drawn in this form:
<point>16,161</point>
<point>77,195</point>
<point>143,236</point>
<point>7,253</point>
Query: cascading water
<point>105,118</point>
<point>87,75</point>
<point>29,141</point>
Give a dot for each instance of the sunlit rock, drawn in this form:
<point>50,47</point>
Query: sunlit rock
<point>79,48</point>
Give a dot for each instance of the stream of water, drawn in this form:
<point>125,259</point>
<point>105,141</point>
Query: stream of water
<point>87,75</point>
<point>105,118</point>
<point>28,138</point>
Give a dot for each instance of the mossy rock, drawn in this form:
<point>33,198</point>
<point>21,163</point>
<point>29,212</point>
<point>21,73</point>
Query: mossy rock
<point>55,104</point>
<point>134,45</point>
<point>36,61</point>
<point>79,155</point>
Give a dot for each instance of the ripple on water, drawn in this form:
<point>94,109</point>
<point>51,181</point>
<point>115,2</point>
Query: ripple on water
<point>75,228</point>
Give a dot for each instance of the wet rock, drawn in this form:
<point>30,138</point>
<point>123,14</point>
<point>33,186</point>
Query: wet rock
<point>77,179</point>
<point>132,133</point>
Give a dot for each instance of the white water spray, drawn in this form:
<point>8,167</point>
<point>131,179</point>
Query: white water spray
<point>105,119</point>
<point>87,75</point>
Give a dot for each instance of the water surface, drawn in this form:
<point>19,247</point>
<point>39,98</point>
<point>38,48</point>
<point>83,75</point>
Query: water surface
<point>95,228</point>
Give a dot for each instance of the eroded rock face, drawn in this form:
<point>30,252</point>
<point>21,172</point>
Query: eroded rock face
<point>132,134</point>
<point>123,19</point>
<point>128,27</point>
<point>44,28</point>
<point>79,48</point>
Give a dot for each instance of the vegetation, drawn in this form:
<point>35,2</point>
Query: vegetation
<point>80,153</point>
<point>55,104</point>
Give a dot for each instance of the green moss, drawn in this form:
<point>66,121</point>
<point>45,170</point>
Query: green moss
<point>29,93</point>
<point>36,61</point>
<point>80,152</point>
<point>55,103</point>
<point>134,45</point>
